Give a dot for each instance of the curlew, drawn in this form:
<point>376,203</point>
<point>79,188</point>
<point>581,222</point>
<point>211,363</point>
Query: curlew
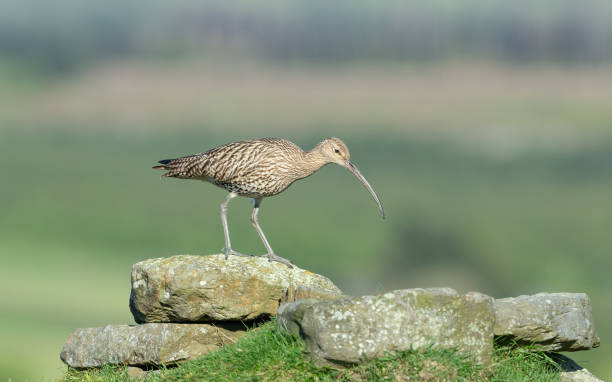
<point>258,169</point>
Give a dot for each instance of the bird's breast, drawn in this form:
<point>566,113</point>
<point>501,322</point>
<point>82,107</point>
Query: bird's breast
<point>255,186</point>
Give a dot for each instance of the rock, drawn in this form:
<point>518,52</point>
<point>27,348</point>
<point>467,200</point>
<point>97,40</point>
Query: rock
<point>210,288</point>
<point>550,321</point>
<point>135,372</point>
<point>290,315</point>
<point>304,293</point>
<point>572,372</point>
<point>350,330</point>
<point>148,344</point>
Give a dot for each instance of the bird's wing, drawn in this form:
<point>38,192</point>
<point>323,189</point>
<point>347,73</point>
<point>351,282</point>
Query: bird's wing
<point>238,161</point>
<point>235,162</point>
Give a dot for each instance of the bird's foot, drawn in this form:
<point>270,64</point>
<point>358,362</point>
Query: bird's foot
<point>230,251</point>
<point>272,257</point>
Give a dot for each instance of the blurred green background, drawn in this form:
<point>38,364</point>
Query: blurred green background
<point>485,127</point>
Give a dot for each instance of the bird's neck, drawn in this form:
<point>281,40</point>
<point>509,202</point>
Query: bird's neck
<point>312,161</point>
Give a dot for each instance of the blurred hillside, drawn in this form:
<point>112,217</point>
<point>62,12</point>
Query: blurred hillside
<point>71,34</point>
<point>484,127</point>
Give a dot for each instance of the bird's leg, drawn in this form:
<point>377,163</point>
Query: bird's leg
<point>255,222</point>
<point>228,246</point>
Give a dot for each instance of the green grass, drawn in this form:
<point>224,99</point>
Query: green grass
<point>266,354</point>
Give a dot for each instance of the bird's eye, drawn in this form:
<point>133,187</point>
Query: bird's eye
<point>337,151</point>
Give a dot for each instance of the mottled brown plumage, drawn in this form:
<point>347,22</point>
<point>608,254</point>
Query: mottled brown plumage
<point>257,169</point>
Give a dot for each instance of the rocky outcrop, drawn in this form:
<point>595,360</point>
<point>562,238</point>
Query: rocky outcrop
<point>179,293</point>
<point>210,288</point>
<point>549,321</point>
<point>191,305</point>
<point>148,344</point>
<point>350,330</point>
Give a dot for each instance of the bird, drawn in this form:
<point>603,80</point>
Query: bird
<point>257,169</point>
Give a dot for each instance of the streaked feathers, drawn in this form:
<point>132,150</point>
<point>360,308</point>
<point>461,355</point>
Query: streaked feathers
<point>255,168</point>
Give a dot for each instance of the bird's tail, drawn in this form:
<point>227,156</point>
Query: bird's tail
<point>184,167</point>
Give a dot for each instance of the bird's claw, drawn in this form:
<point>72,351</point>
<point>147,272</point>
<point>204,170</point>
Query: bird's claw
<point>273,257</point>
<point>230,251</point>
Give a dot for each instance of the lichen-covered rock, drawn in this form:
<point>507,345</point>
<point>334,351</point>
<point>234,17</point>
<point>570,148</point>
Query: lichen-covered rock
<point>350,330</point>
<point>210,288</point>
<point>550,321</point>
<point>290,314</point>
<point>305,293</point>
<point>135,372</point>
<point>148,344</point>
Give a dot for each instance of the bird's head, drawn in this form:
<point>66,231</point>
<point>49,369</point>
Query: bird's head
<point>335,151</point>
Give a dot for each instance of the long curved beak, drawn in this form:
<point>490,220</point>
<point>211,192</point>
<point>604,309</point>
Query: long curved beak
<point>363,180</point>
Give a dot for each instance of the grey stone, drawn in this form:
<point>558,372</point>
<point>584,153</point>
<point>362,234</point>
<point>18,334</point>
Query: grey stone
<point>135,372</point>
<point>549,321</point>
<point>350,330</point>
<point>210,288</point>
<point>304,293</point>
<point>148,344</point>
<point>572,372</point>
<point>290,315</point>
